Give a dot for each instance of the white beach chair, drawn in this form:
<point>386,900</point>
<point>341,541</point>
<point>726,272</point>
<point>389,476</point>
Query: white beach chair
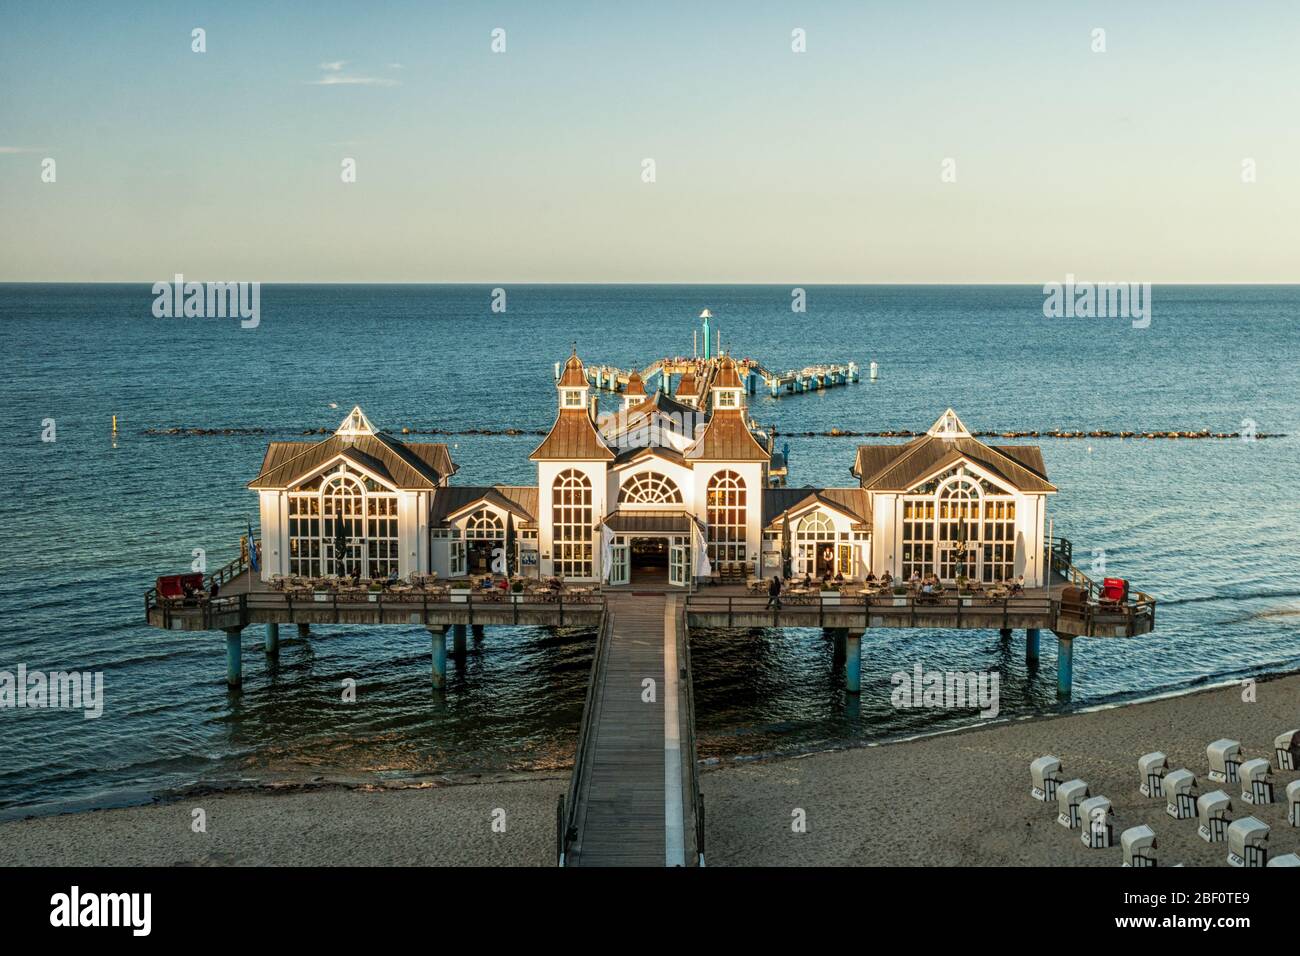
<point>1286,859</point>
<point>1225,758</point>
<point>1068,797</point>
<point>1139,846</point>
<point>1045,772</point>
<point>1152,768</point>
<point>1286,747</point>
<point>1098,823</point>
<point>1257,781</point>
<point>1248,843</point>
<point>1213,808</point>
<point>1180,794</point>
<point>1293,803</point>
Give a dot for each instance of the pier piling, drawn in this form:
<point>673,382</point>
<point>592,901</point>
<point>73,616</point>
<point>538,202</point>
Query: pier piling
<point>458,640</point>
<point>272,639</point>
<point>438,636</point>
<point>853,661</point>
<point>304,631</point>
<point>1064,665</point>
<point>477,631</point>
<point>234,658</point>
<point>1005,634</point>
<point>1031,646</point>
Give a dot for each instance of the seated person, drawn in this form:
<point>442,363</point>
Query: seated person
<point>915,579</point>
<point>870,578</point>
<point>839,577</point>
<point>392,577</point>
<point>1018,585</point>
<point>807,580</point>
<point>886,579</point>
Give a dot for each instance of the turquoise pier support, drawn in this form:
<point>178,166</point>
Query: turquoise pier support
<point>234,658</point>
<point>1031,645</point>
<point>1064,665</point>
<point>853,662</point>
<point>458,637</point>
<point>438,636</point>
<point>273,638</point>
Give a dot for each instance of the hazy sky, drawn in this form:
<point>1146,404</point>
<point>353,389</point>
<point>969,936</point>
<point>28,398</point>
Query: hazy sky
<point>771,166</point>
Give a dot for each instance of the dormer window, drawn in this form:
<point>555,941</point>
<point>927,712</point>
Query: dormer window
<point>728,399</point>
<point>573,398</point>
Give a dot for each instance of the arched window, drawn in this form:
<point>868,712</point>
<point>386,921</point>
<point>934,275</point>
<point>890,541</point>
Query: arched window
<point>727,517</point>
<point>649,488</point>
<point>571,523</point>
<point>484,525</point>
<point>960,526</point>
<point>343,530</point>
<point>813,530</point>
<point>342,521</point>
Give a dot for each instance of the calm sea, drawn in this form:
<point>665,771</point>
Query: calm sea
<point>89,520</point>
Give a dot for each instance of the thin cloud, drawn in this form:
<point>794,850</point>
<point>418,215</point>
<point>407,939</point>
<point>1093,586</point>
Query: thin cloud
<point>334,75</point>
<point>339,79</point>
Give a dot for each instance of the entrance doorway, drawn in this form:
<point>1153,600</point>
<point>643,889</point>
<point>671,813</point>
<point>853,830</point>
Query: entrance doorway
<point>649,559</point>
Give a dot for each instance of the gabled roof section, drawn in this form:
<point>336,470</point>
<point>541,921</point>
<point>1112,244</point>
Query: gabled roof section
<point>519,500</point>
<point>635,386</point>
<point>414,467</point>
<point>853,503</point>
<point>900,467</point>
<point>727,438</point>
<point>356,425</point>
<point>948,425</point>
<point>629,455</point>
<point>616,423</point>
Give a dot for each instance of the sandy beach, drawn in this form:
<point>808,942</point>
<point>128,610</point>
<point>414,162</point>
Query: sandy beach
<point>957,799</point>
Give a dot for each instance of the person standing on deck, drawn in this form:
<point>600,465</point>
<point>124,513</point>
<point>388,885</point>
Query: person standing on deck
<point>774,593</point>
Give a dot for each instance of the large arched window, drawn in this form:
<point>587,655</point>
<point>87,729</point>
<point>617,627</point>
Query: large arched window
<point>813,531</point>
<point>727,517</point>
<point>342,521</point>
<point>959,525</point>
<point>571,523</point>
<point>649,488</point>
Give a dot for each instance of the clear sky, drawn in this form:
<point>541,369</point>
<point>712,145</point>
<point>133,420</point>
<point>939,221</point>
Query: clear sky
<point>770,165</point>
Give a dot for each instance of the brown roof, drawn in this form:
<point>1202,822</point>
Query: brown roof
<point>573,437</point>
<point>852,502</point>
<point>727,376</point>
<point>654,451</point>
<point>899,467</point>
<point>414,466</point>
<point>686,385</point>
<point>634,384</point>
<point>620,421</point>
<point>519,500</point>
<point>574,375</point>
<point>727,438</point>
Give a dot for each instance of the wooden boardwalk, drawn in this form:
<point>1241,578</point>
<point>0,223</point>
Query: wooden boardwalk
<point>631,803</point>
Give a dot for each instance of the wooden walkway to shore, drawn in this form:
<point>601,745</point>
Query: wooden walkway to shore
<point>629,807</point>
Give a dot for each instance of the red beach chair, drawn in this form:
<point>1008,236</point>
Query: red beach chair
<point>1114,591</point>
<point>172,587</point>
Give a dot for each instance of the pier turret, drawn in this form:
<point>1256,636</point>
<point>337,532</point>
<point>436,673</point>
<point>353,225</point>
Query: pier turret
<point>635,393</point>
<point>706,315</point>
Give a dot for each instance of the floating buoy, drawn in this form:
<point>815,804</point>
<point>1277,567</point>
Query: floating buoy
<point>874,370</point>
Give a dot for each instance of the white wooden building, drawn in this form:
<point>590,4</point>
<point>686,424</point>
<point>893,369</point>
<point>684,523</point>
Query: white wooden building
<point>662,491</point>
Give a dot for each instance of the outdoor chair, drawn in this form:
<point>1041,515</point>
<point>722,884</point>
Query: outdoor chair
<point>1114,592</point>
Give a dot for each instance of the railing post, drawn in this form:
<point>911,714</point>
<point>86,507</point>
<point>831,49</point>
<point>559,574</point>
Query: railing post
<point>334,599</point>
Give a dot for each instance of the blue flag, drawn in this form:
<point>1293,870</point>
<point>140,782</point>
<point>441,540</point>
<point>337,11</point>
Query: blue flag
<point>252,549</point>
